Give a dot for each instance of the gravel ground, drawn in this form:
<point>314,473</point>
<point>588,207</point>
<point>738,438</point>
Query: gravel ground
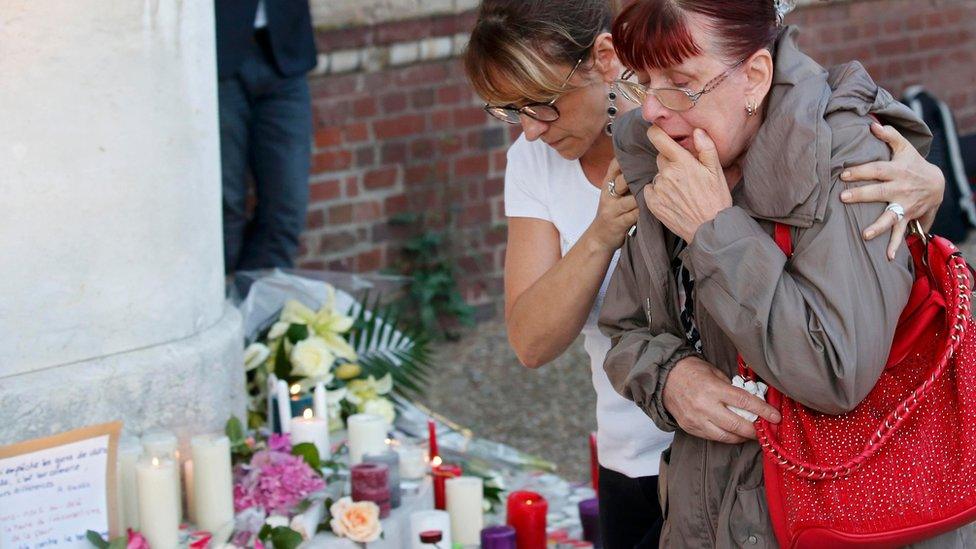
<point>548,412</point>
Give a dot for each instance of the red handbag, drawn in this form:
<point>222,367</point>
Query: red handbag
<point>901,466</point>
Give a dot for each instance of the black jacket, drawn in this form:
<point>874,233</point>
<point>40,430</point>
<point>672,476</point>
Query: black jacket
<point>289,28</point>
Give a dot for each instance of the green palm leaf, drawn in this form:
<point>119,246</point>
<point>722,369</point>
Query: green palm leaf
<point>384,346</point>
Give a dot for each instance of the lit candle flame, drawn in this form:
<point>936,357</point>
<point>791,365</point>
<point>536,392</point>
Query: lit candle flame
<point>155,462</point>
<point>295,389</point>
<point>436,461</point>
<point>307,414</point>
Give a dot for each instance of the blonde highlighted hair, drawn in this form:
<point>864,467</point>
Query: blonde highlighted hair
<point>519,49</point>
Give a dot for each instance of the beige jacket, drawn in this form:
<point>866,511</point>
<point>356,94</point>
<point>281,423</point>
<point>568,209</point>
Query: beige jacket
<point>818,326</point>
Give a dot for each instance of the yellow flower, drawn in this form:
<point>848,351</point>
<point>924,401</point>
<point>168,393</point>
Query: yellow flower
<point>329,324</point>
<point>348,371</point>
<point>361,390</point>
<point>296,313</point>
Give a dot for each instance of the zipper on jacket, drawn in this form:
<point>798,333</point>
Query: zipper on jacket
<point>704,462</point>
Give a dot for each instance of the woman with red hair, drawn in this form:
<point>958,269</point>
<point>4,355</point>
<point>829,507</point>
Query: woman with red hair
<point>737,131</point>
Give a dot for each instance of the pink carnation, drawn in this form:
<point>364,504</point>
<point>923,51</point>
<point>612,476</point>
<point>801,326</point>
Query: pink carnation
<point>275,481</point>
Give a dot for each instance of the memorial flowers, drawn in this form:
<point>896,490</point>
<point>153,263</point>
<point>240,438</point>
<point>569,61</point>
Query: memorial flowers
<point>361,356</point>
<point>359,521</point>
<point>274,484</point>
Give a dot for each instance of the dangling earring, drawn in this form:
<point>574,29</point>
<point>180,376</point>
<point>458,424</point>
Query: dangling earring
<point>611,111</point>
<point>751,109</point>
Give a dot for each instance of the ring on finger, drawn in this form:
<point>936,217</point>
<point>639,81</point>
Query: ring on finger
<point>612,188</point>
<point>896,209</point>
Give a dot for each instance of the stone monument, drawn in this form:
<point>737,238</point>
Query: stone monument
<point>112,301</point>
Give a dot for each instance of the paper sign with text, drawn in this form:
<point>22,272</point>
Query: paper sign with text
<point>53,490</point>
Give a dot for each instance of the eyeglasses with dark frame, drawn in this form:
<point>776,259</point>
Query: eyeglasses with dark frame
<point>674,99</point>
<point>543,112</point>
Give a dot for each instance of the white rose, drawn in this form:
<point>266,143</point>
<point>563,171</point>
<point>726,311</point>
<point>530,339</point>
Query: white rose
<point>359,521</point>
<point>255,355</point>
<point>381,407</point>
<point>298,525</point>
<point>312,358</point>
<point>275,521</point>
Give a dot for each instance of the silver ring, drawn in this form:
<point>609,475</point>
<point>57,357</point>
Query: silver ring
<point>612,188</point>
<point>896,209</point>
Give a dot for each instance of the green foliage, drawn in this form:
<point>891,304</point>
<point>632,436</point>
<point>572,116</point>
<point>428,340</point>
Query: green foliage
<point>386,346</point>
<point>96,540</point>
<point>434,297</point>
<point>279,537</point>
<point>308,452</point>
<point>239,449</point>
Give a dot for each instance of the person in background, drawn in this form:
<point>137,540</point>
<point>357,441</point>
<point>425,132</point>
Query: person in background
<point>264,50</point>
<point>549,66</point>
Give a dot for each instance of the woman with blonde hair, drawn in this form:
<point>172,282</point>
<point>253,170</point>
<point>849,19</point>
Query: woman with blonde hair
<point>549,67</point>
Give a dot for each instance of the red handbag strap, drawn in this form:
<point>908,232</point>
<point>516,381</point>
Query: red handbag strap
<point>784,239</point>
<point>957,318</point>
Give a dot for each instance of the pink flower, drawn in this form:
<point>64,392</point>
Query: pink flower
<point>258,544</point>
<point>136,540</point>
<point>279,443</point>
<point>275,481</point>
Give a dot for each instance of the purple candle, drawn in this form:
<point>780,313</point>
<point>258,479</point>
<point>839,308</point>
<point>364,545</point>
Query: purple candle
<point>589,510</point>
<point>498,537</point>
<point>370,482</point>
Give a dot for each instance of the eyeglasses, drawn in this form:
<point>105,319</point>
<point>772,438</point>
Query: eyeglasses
<point>543,112</point>
<point>674,99</point>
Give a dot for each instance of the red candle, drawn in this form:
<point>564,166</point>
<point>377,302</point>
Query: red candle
<point>432,433</point>
<point>594,464</point>
<point>441,473</point>
<point>527,514</point>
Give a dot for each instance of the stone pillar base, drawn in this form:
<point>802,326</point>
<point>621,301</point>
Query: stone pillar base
<point>188,386</point>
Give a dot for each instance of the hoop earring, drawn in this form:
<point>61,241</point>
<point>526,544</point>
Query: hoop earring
<point>611,111</point>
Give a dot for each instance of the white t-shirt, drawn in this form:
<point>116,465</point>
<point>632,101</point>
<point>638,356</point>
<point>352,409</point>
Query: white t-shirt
<point>543,185</point>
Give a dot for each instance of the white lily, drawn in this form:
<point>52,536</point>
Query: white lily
<point>254,355</point>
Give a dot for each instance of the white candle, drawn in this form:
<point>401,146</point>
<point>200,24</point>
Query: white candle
<point>309,428</point>
<point>213,492</point>
<point>464,503</point>
<point>319,402</point>
<point>191,511</point>
<point>413,462</point>
<point>367,435</point>
<point>162,444</point>
<point>158,501</point>
<point>129,451</point>
<point>284,406</point>
<point>422,521</point>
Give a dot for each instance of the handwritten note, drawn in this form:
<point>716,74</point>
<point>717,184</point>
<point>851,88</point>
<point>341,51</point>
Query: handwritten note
<point>54,490</point>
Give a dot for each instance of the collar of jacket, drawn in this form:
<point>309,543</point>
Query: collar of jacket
<point>787,169</point>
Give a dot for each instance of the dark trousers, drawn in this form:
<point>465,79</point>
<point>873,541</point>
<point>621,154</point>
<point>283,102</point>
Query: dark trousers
<point>265,131</point>
<point>630,513</point>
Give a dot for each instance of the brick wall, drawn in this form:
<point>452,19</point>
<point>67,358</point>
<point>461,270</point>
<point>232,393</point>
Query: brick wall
<point>392,137</point>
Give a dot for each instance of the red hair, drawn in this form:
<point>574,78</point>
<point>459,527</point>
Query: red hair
<point>654,34</point>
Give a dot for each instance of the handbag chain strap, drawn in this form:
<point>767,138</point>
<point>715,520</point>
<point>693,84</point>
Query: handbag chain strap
<point>957,323</point>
